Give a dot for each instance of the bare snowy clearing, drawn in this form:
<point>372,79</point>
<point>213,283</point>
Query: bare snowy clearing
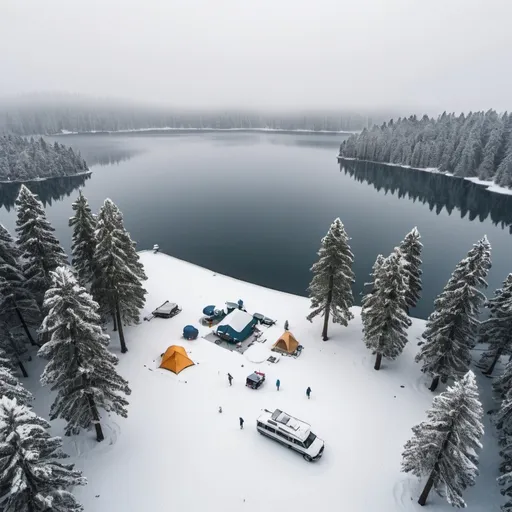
<point>175,451</point>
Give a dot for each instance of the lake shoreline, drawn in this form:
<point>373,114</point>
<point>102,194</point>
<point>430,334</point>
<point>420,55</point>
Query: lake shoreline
<point>489,185</point>
<point>204,130</point>
<point>14,182</point>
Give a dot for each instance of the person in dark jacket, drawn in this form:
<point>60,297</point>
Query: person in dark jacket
<point>308,392</point>
<point>241,423</point>
<point>278,384</point>
<point>230,378</point>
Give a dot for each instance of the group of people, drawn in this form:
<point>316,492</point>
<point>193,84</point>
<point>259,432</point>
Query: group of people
<point>278,385</point>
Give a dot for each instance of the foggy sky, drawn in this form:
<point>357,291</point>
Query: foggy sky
<point>428,54</point>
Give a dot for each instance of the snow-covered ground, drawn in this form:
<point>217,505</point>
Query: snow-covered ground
<point>490,185</point>
<point>175,451</point>
<point>47,178</point>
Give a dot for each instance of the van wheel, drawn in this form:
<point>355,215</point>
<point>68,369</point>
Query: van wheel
<point>308,458</point>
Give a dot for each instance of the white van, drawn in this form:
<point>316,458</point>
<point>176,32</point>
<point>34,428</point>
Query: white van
<point>290,432</point>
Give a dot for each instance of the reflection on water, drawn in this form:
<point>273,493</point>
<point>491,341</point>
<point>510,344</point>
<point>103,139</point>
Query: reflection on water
<point>436,190</point>
<point>49,190</point>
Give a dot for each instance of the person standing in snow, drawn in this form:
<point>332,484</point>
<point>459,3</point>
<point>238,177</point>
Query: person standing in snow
<point>230,379</point>
<point>220,409</point>
<point>278,384</point>
<point>241,423</point>
<point>308,392</point>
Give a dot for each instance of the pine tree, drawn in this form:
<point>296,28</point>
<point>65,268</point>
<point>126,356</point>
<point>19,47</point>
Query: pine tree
<point>444,447</point>
<point>40,249</point>
<point>410,249</point>
<point>452,327</point>
<point>13,348</point>
<point>118,274</point>
<point>385,321</point>
<point>84,239</point>
<point>331,287</point>
<point>80,367</point>
<point>33,479</point>
<point>9,384</point>
<point>17,304</point>
<point>497,329</point>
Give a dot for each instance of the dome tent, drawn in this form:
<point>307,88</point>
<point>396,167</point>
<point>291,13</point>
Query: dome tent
<point>175,359</point>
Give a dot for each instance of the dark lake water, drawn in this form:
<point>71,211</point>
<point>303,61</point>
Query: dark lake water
<point>255,206</point>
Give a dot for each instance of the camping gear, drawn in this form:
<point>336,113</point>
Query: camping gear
<point>236,327</point>
<point>287,344</point>
<point>255,380</point>
<point>156,248</point>
<point>190,332</point>
<point>166,310</point>
<point>264,320</point>
<point>175,359</point>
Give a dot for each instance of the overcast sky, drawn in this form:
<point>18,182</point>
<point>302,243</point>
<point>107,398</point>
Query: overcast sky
<point>417,54</point>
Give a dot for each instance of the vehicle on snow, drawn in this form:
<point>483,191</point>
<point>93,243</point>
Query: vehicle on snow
<point>255,380</point>
<point>291,432</point>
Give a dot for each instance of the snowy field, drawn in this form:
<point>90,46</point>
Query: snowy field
<point>176,452</point>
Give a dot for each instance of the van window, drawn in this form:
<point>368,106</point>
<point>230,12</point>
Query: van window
<point>297,442</point>
<point>309,441</point>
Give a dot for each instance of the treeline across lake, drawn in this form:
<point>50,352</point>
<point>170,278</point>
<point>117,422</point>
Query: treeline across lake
<point>435,189</point>
<point>478,144</point>
<point>24,159</point>
<point>52,114</point>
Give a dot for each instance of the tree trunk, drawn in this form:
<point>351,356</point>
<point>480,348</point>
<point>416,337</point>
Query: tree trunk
<point>96,417</point>
<point>22,368</point>
<point>124,349</point>
<point>115,320</point>
<point>435,383</point>
<point>494,361</point>
<point>25,328</point>
<point>328,308</point>
<point>378,360</point>
<point>427,489</point>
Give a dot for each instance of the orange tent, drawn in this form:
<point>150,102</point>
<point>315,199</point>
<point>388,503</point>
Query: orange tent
<point>286,343</point>
<point>175,359</point>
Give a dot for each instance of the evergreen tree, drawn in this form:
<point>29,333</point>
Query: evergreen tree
<point>410,249</point>
<point>9,384</point>
<point>444,447</point>
<point>13,348</point>
<point>385,321</point>
<point>80,367</point>
<point>84,239</point>
<point>452,327</point>
<point>17,304</point>
<point>118,274</point>
<point>497,329</point>
<point>32,478</point>
<point>331,287</point>
<point>40,249</point>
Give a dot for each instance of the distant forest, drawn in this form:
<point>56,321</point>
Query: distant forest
<point>47,115</point>
<point>24,159</point>
<point>475,145</point>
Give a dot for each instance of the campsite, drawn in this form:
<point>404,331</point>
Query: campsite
<point>175,433</point>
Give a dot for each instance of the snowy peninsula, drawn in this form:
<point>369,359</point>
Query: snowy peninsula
<point>175,440</point>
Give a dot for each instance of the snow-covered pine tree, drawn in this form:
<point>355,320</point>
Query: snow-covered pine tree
<point>84,239</point>
<point>40,249</point>
<point>497,329</point>
<point>452,327</point>
<point>385,321</point>
<point>330,289</point>
<point>80,368</point>
<point>118,274</point>
<point>410,248</point>
<point>17,304</point>
<point>33,478</point>
<point>444,447</point>
<point>13,348</point>
<point>10,386</point>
